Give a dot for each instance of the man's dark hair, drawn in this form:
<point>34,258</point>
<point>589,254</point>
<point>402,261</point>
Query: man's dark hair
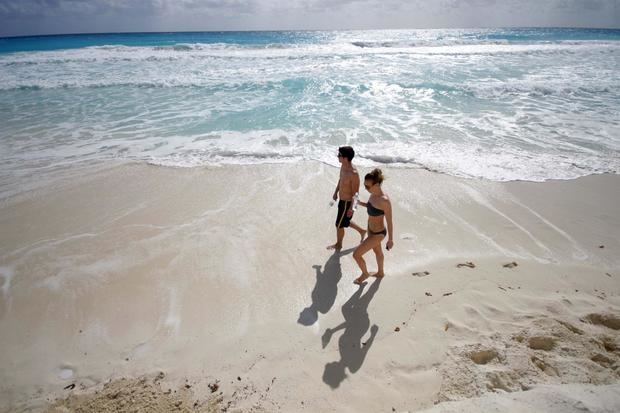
<point>346,152</point>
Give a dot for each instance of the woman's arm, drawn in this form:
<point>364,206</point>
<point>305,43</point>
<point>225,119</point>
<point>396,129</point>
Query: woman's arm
<point>390,227</point>
<point>361,203</point>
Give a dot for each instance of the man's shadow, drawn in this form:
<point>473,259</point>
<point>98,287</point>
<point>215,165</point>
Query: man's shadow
<point>352,349</point>
<point>325,289</point>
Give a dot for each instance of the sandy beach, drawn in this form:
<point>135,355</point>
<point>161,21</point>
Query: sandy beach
<point>210,289</point>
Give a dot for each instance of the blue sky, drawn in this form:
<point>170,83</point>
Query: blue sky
<point>26,17</point>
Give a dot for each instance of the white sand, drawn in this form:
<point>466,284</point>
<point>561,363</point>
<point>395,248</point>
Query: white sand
<point>567,398</point>
<point>221,275</point>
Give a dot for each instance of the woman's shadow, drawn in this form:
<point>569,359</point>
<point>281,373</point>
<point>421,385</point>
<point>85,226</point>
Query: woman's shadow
<point>352,350</point>
<point>325,289</point>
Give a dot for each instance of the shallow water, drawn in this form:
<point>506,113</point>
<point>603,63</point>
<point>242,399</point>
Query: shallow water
<point>530,104</point>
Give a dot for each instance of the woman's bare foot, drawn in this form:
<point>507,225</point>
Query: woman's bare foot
<point>378,274</point>
<point>335,247</point>
<point>361,280</point>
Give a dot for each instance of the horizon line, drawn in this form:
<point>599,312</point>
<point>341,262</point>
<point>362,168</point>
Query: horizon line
<point>302,30</point>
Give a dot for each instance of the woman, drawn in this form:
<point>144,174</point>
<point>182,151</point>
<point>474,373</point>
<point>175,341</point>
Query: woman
<point>379,210</point>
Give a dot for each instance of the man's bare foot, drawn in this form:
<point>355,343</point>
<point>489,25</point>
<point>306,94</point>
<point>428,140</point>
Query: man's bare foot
<point>361,280</point>
<point>378,275</point>
<point>335,247</point>
<point>362,235</point>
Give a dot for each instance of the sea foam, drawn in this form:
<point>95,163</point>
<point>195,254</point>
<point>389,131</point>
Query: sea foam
<point>530,104</point>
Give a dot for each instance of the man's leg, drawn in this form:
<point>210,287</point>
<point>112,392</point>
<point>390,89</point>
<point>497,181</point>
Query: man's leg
<point>341,222</point>
<point>339,237</point>
<point>358,229</point>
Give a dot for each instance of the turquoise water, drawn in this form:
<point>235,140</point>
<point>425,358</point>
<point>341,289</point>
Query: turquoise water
<point>73,41</point>
<point>498,104</point>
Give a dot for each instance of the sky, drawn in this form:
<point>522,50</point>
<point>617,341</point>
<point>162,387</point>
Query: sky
<point>31,17</point>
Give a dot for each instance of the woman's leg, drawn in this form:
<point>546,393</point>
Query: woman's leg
<point>368,244</point>
<point>379,254</point>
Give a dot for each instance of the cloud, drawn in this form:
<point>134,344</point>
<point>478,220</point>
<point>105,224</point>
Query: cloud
<point>578,5</point>
<point>467,4</point>
<point>242,6</point>
<point>533,5</point>
<point>25,8</point>
<point>29,8</point>
<point>63,16</point>
<point>330,5</point>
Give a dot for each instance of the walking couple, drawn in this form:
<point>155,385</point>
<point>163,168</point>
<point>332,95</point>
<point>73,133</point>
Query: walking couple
<point>379,208</point>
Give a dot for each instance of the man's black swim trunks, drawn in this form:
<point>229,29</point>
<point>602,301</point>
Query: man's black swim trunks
<point>342,220</point>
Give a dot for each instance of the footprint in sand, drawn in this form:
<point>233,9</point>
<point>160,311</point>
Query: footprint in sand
<point>544,367</point>
<point>570,327</point>
<point>607,320</point>
<point>421,274</point>
<point>483,356</point>
<point>609,344</point>
<point>602,360</point>
<point>510,265</point>
<point>468,264</point>
<point>544,343</point>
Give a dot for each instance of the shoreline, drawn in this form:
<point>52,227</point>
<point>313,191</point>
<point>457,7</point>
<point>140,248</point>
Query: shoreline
<point>65,174</point>
<point>217,273</point>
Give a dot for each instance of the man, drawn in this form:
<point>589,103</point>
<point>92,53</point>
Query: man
<point>348,186</point>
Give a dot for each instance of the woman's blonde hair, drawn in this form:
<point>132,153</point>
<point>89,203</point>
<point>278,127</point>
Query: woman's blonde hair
<point>376,176</point>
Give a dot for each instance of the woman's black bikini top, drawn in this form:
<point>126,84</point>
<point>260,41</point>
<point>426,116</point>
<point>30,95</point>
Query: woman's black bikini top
<point>372,211</point>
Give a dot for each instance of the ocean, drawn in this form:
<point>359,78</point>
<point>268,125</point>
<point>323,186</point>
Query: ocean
<point>497,104</point>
